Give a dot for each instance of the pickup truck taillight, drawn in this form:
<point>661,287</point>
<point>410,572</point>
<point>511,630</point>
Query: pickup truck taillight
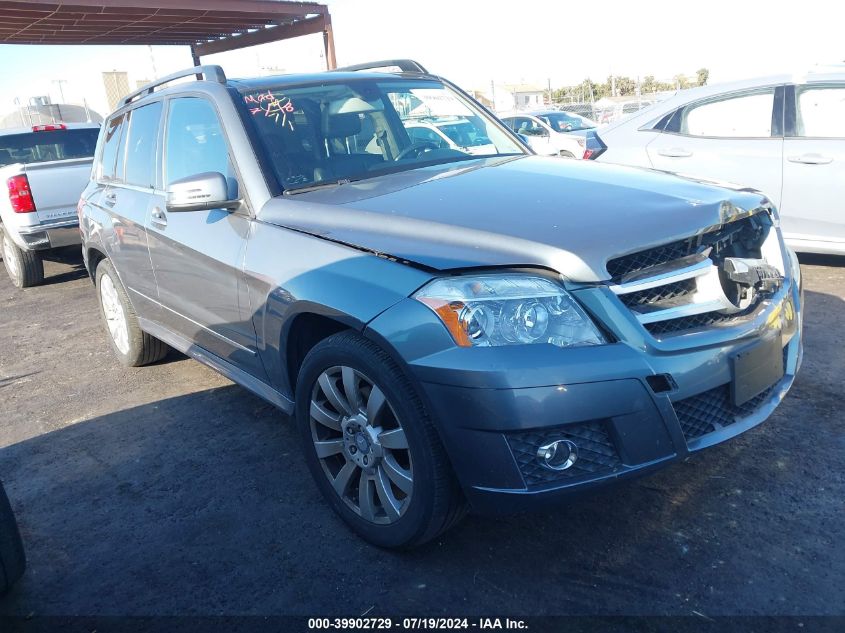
<point>20,196</point>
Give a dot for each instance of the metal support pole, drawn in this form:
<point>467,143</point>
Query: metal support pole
<point>328,44</point>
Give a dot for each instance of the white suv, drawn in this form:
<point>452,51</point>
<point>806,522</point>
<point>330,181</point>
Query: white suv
<point>784,136</point>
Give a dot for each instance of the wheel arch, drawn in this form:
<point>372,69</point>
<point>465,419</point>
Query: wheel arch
<point>93,256</point>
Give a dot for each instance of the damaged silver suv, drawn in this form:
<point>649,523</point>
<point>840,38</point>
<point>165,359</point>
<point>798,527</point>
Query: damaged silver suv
<point>450,329</point>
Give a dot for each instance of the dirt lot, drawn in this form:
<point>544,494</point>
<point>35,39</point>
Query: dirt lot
<point>168,490</point>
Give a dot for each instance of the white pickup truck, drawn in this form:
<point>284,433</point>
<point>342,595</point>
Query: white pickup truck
<point>45,168</point>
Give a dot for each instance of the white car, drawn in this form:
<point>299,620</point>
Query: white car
<point>549,132</point>
<point>449,133</point>
<point>784,136</point>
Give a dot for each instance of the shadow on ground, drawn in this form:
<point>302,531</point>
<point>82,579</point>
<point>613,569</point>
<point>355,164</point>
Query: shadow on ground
<point>201,504</point>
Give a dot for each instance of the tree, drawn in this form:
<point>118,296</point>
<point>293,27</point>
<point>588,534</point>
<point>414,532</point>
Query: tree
<point>703,75</point>
<point>625,86</point>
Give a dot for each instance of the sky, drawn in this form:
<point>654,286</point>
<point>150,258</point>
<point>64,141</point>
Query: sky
<point>474,42</point>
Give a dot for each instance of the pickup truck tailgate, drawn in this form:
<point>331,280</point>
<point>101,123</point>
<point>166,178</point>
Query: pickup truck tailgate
<point>56,187</point>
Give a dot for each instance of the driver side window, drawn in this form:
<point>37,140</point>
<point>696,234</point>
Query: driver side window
<point>529,127</point>
<point>195,143</point>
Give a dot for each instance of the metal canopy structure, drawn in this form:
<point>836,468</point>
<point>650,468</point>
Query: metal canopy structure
<point>207,26</point>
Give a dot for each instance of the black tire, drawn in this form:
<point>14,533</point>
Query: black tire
<point>12,557</point>
<point>25,268</point>
<point>140,348</point>
<point>436,502</point>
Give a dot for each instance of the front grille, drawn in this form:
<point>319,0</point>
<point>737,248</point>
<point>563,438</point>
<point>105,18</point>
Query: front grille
<point>686,277</point>
<point>695,321</point>
<point>660,294</point>
<point>596,452</point>
<point>635,262</point>
<point>718,239</point>
<point>712,410</point>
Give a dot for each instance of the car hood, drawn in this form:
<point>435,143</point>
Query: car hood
<point>565,215</point>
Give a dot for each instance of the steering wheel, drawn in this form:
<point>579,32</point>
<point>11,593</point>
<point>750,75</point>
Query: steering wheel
<point>418,148</point>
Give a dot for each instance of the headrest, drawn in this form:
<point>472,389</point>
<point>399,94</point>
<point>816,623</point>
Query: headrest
<point>5,156</point>
<point>342,125</point>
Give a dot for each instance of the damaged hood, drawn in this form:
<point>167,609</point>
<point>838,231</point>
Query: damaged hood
<point>566,215</point>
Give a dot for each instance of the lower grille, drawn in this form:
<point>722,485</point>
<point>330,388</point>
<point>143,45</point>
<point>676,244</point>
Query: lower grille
<point>712,410</point>
<point>596,453</point>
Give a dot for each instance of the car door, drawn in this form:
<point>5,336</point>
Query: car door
<point>734,138</point>
<point>130,144</point>
<point>813,205</point>
<point>197,256</point>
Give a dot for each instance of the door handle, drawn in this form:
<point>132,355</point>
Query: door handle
<point>810,159</point>
<point>675,152</point>
<point>110,198</point>
<point>157,217</point>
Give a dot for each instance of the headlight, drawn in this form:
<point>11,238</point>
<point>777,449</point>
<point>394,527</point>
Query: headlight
<point>488,310</point>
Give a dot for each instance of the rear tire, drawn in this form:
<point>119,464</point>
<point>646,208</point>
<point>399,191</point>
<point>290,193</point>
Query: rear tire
<point>12,558</point>
<point>407,494</point>
<point>132,346</point>
<point>25,268</point>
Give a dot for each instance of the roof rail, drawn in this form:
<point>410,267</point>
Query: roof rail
<point>207,73</point>
<point>405,65</point>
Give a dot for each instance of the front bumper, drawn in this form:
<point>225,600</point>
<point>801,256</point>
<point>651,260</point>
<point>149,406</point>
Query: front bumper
<point>46,236</point>
<point>495,407</point>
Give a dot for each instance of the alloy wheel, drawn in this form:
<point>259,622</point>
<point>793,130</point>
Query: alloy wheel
<point>361,445</point>
<point>115,316</point>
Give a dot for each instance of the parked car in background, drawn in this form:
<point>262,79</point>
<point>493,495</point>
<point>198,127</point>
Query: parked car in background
<point>44,170</point>
<point>449,133</point>
<point>784,136</point>
<point>449,329</point>
<point>547,132</point>
<point>610,112</point>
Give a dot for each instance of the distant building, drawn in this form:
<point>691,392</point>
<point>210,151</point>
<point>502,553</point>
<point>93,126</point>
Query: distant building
<point>141,83</point>
<point>509,97</point>
<point>116,84</point>
<point>41,111</point>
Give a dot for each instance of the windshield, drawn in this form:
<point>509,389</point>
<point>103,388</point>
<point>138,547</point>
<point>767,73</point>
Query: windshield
<point>41,147</point>
<point>322,134</point>
<point>567,121</point>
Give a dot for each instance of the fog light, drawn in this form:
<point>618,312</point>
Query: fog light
<point>558,455</point>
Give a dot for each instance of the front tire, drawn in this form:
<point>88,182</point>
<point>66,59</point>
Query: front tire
<point>132,346</point>
<point>371,445</point>
<point>25,268</point>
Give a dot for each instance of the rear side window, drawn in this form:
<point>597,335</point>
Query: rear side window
<point>821,112</point>
<point>141,145</point>
<point>41,147</point>
<point>111,144</point>
<point>748,115</point>
<point>195,143</point>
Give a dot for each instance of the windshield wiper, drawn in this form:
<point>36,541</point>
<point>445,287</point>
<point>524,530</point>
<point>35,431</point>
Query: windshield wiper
<point>320,185</point>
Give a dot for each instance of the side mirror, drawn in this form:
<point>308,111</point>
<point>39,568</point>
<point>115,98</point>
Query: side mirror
<point>524,138</point>
<point>200,192</point>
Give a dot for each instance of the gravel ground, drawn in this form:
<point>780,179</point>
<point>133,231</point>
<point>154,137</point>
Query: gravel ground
<point>168,490</point>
